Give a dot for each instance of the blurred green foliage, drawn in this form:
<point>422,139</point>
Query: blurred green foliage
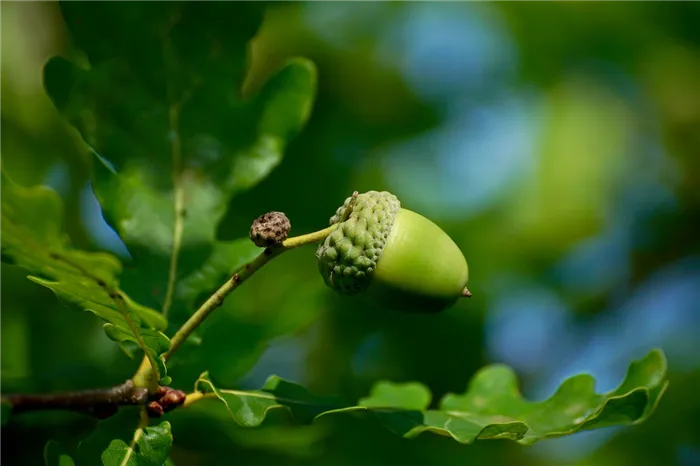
<point>557,144</point>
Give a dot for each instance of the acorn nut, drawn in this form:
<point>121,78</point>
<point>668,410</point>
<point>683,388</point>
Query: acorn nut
<point>270,229</point>
<point>393,256</point>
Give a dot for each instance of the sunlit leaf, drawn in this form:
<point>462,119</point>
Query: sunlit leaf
<point>408,396</point>
<point>152,447</point>
<point>160,105</point>
<point>33,239</point>
<point>491,408</point>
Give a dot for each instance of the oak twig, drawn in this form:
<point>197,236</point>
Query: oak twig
<point>141,389</point>
<point>144,373</point>
<point>217,299</point>
<point>101,402</point>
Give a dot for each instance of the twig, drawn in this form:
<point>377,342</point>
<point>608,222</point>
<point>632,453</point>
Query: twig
<point>179,207</point>
<point>102,402</point>
<point>144,372</point>
<point>170,59</point>
<point>217,299</point>
<point>106,401</point>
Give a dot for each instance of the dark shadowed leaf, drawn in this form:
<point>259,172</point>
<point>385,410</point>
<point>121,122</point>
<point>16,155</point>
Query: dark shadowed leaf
<point>5,410</point>
<point>152,447</point>
<point>226,258</point>
<point>111,441</point>
<point>233,340</point>
<point>160,105</point>
<point>491,408</point>
<point>32,238</point>
<point>121,426</point>
<point>55,456</point>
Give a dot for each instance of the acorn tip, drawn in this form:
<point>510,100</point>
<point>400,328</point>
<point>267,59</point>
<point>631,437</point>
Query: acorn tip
<point>466,293</point>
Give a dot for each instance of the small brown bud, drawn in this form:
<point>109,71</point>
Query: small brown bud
<point>173,398</point>
<point>154,409</point>
<point>270,229</point>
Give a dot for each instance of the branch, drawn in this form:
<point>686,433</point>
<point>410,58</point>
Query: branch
<point>105,402</point>
<point>144,372</point>
<point>102,402</point>
<point>217,299</point>
<point>179,206</point>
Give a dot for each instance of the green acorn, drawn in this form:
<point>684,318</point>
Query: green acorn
<point>393,256</point>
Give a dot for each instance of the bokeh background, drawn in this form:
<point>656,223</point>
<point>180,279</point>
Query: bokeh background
<point>557,143</point>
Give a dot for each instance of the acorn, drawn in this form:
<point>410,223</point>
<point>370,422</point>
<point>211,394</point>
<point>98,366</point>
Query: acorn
<point>392,256</point>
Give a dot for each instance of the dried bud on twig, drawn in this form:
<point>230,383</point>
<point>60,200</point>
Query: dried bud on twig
<point>270,229</point>
<point>164,400</point>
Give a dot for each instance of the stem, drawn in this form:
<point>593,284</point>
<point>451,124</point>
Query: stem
<point>99,402</point>
<point>195,397</point>
<point>153,381</point>
<point>143,423</point>
<point>348,209</point>
<point>217,299</point>
<point>144,374</point>
<point>106,401</point>
<point>179,206</point>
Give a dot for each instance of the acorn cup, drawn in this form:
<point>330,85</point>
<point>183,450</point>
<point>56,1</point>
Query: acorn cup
<point>392,256</point>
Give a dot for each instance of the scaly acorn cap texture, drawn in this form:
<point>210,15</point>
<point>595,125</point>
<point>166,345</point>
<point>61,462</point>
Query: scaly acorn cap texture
<point>393,256</point>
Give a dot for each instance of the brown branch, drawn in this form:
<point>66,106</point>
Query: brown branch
<point>101,403</point>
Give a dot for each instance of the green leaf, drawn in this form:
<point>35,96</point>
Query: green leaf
<point>491,408</point>
<point>154,339</point>
<point>161,107</point>
<point>32,238</point>
<point>152,447</point>
<point>408,396</point>
<point>55,456</point>
<point>249,408</point>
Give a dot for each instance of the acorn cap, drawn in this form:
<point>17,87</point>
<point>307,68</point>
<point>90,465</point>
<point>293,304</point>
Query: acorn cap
<point>348,257</point>
<point>393,256</point>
